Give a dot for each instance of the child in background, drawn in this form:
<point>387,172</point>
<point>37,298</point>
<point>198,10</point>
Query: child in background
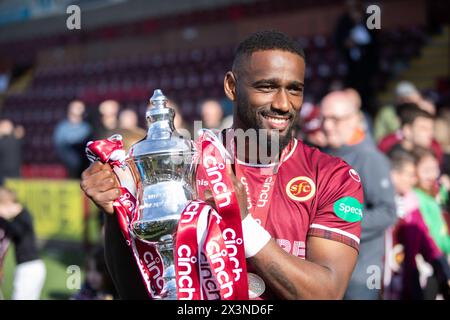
<point>98,284</point>
<point>16,224</point>
<point>410,237</point>
<point>432,193</point>
<point>432,197</point>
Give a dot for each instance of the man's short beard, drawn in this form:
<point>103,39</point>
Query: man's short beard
<point>250,120</point>
<point>281,141</point>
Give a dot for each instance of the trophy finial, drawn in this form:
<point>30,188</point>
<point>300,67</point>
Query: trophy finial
<point>158,99</point>
<point>159,117</point>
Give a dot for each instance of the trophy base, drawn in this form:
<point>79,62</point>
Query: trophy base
<point>169,292</point>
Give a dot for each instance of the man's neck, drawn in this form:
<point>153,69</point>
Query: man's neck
<point>74,119</point>
<point>110,123</point>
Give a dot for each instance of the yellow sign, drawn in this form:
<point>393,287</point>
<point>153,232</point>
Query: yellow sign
<point>56,206</point>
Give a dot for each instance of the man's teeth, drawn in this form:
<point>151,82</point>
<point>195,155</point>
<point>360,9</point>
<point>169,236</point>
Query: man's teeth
<point>277,120</point>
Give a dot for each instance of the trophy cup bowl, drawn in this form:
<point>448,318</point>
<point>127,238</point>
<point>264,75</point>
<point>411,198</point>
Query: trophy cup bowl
<point>164,170</point>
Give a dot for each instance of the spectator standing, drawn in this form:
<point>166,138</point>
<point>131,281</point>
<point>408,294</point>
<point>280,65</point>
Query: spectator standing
<point>417,130</point>
<point>442,134</point>
<point>387,121</point>
<point>310,126</point>
<point>212,114</point>
<point>359,47</point>
<point>10,150</point>
<point>342,124</point>
<point>17,225</point>
<point>409,237</point>
<point>70,138</point>
<point>129,129</point>
<point>109,122</point>
<point>432,197</point>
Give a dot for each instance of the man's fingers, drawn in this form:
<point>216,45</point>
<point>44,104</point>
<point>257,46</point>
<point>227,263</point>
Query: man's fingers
<point>99,186</point>
<point>106,184</point>
<point>107,196</point>
<point>93,168</point>
<point>99,178</point>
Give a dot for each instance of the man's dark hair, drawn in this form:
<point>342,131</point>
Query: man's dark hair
<point>265,40</point>
<point>398,157</point>
<point>409,112</point>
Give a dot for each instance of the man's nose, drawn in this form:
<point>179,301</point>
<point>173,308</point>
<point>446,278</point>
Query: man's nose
<point>281,101</point>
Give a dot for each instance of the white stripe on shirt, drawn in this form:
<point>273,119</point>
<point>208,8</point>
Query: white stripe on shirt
<point>342,232</point>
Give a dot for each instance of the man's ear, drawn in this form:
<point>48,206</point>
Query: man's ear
<point>229,85</point>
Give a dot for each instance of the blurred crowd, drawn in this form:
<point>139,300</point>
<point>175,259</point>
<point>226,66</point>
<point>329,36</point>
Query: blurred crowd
<point>402,158</point>
<point>70,138</point>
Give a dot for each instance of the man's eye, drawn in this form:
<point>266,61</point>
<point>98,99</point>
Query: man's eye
<point>296,90</point>
<point>267,87</point>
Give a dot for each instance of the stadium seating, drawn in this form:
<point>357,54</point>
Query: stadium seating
<point>185,76</point>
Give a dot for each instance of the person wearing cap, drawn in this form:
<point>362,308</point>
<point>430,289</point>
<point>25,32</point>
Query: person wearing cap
<point>310,126</point>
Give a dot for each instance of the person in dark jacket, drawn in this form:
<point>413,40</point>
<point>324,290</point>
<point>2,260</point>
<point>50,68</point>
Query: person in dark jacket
<point>359,47</point>
<point>10,150</point>
<point>342,125</point>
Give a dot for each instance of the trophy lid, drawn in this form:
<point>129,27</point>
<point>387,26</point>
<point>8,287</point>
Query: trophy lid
<point>161,135</point>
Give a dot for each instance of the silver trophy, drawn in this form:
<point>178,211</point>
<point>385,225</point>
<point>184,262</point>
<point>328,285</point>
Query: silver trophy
<point>165,173</point>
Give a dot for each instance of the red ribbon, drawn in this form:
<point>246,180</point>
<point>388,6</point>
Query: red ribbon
<point>223,245</point>
<point>209,251</point>
<point>147,257</point>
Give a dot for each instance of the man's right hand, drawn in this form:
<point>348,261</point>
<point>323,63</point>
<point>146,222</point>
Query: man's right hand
<point>100,184</point>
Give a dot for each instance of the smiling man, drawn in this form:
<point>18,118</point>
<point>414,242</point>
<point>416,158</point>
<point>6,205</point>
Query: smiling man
<point>300,213</point>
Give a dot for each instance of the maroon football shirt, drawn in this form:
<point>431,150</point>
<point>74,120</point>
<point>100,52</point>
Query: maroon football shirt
<point>314,194</point>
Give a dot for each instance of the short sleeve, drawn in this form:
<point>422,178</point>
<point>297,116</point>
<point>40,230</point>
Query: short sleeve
<point>340,205</point>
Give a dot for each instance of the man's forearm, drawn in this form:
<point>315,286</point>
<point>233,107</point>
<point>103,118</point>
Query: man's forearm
<point>294,278</point>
